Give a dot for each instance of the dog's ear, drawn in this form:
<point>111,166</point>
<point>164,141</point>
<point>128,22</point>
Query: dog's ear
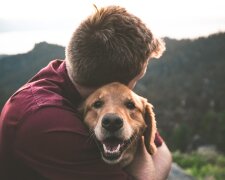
<point>149,134</point>
<point>82,108</point>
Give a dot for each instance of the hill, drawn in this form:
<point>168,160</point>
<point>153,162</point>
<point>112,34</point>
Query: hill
<point>17,69</point>
<point>186,87</point>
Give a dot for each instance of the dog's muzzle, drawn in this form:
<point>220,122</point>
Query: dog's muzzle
<point>114,144</point>
<point>112,122</point>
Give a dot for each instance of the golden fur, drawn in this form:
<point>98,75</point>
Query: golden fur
<point>135,114</point>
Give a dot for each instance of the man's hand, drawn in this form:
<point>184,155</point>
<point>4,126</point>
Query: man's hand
<point>142,167</point>
<point>147,167</point>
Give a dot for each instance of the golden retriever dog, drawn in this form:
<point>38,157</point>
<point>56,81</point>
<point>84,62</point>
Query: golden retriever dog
<point>117,118</point>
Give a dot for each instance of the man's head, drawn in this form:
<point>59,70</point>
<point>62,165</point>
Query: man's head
<point>110,45</point>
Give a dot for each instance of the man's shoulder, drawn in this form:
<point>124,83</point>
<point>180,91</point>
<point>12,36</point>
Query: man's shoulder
<point>49,87</point>
<point>33,96</point>
<point>32,103</point>
<point>49,90</point>
<point>55,119</point>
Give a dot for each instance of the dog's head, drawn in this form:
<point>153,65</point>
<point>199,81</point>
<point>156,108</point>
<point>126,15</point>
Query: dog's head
<point>117,118</point>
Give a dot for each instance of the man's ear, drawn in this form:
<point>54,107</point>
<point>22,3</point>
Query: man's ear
<point>157,48</point>
<point>150,131</point>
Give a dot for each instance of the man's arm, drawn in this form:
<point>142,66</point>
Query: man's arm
<point>162,160</point>
<point>154,167</point>
<point>54,143</point>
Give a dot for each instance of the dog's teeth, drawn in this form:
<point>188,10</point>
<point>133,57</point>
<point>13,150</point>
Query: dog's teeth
<point>111,151</point>
<point>105,149</point>
<point>118,148</point>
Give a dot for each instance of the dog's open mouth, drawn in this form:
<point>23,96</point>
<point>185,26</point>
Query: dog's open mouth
<point>113,147</point>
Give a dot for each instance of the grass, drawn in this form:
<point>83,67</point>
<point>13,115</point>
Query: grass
<point>202,166</point>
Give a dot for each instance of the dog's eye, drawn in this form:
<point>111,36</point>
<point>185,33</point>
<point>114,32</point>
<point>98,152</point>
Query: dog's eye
<point>98,104</point>
<point>130,105</point>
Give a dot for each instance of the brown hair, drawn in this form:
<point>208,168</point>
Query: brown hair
<point>111,45</point>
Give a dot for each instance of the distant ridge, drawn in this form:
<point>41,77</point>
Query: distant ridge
<point>15,70</point>
<point>187,89</point>
<point>2,56</point>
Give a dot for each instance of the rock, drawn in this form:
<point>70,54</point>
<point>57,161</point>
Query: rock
<point>208,151</point>
<point>177,173</point>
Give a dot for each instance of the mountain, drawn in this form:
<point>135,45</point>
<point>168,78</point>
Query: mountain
<point>15,70</point>
<point>2,56</point>
<point>186,86</point>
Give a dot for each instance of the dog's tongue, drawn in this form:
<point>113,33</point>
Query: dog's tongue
<point>112,145</point>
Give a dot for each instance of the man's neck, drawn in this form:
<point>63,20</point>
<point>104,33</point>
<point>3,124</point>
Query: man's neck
<point>83,90</point>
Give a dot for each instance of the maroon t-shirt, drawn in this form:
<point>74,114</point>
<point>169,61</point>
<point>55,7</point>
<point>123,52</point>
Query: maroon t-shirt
<point>42,135</point>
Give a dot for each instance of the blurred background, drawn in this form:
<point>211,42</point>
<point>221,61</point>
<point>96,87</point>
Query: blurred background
<point>186,85</point>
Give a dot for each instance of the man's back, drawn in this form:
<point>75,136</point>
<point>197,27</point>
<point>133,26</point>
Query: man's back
<point>42,135</point>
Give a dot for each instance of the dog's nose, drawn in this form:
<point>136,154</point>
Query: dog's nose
<point>112,122</point>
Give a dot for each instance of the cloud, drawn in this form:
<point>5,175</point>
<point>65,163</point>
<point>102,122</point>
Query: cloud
<point>36,25</point>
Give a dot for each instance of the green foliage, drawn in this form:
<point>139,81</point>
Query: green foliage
<point>180,135</point>
<point>201,166</point>
<point>213,127</point>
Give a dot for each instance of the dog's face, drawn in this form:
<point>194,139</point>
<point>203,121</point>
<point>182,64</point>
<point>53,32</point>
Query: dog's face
<point>117,118</point>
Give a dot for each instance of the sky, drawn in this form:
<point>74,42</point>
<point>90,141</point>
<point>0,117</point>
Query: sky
<point>26,22</point>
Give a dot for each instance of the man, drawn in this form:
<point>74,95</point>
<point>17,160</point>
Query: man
<point>42,133</point>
